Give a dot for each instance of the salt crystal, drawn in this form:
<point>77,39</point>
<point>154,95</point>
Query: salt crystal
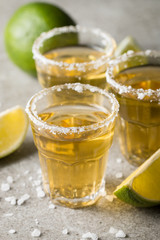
<point>89,235</point>
<point>36,221</point>
<point>10,179</point>
<point>12,231</point>
<point>120,234</point>
<point>13,201</point>
<point>58,89</point>
<point>109,198</point>
<point>65,231</point>
<point>9,199</point>
<point>40,192</point>
<point>129,52</point>
<point>37,182</point>
<point>23,199</point>
<point>119,175</point>
<point>5,187</point>
<point>113,230</point>
<point>119,160</point>
<point>148,52</point>
<point>78,88</point>
<point>52,206</point>
<point>8,214</point>
<point>140,96</point>
<point>36,233</point>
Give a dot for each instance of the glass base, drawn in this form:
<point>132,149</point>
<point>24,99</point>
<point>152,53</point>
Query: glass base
<point>134,160</point>
<point>80,202</point>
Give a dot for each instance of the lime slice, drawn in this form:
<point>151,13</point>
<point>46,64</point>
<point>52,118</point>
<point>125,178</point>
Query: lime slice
<point>142,187</point>
<point>125,45</point>
<point>13,129</point>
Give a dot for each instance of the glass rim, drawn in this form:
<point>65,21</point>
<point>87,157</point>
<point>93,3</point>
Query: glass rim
<point>57,31</point>
<point>33,115</point>
<point>122,88</point>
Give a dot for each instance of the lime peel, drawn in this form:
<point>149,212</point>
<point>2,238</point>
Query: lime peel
<point>126,192</point>
<point>13,129</point>
<point>128,43</point>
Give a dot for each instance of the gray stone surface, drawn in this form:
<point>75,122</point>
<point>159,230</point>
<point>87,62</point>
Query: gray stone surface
<point>139,18</point>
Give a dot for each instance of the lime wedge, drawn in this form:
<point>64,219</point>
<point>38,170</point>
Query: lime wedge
<point>142,187</point>
<point>13,129</point>
<point>125,45</point>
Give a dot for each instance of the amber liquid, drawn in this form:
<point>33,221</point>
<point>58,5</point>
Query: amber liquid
<point>139,120</point>
<point>56,75</point>
<point>74,164</point>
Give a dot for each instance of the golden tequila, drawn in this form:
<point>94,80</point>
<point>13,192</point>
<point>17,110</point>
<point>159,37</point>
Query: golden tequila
<point>56,75</point>
<point>73,126</point>
<point>139,119</point>
<point>75,165</point>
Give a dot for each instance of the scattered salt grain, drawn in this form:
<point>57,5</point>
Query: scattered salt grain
<point>89,235</point>
<point>36,221</point>
<point>8,214</point>
<point>65,231</point>
<point>5,187</point>
<point>120,234</point>
<point>10,179</point>
<point>52,206</point>
<point>13,202</point>
<point>109,198</point>
<point>37,182</point>
<point>9,199</point>
<point>113,230</point>
<point>40,192</point>
<point>36,233</point>
<point>118,160</point>
<point>119,175</point>
<point>23,199</point>
<point>12,231</point>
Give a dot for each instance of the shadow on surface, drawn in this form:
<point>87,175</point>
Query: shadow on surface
<point>26,149</point>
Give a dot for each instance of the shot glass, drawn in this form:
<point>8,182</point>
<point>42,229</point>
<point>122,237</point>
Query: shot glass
<point>73,54</point>
<point>135,80</point>
<point>73,127</point>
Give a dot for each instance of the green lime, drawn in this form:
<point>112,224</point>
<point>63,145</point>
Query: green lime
<point>125,45</point>
<point>141,188</point>
<point>26,24</point>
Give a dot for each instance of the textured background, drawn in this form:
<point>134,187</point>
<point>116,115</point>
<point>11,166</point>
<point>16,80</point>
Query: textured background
<point>139,18</point>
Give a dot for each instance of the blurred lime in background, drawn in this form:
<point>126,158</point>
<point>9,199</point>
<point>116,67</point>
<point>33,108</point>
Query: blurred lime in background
<point>26,24</point>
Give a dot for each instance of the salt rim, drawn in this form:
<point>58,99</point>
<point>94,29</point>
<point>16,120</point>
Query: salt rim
<point>32,113</point>
<point>139,93</point>
<point>106,39</point>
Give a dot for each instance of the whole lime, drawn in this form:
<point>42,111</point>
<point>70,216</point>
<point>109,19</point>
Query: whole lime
<point>26,24</point>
